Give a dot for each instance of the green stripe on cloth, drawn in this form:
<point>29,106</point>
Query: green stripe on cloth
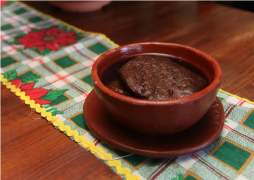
<point>232,155</point>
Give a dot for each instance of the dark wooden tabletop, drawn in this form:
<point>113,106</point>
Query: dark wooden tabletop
<point>33,149</point>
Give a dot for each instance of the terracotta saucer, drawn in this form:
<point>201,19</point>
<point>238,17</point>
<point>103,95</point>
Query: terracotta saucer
<point>195,138</point>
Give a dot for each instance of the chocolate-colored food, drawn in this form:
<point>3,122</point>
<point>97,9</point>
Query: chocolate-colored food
<point>118,86</point>
<point>159,78</point>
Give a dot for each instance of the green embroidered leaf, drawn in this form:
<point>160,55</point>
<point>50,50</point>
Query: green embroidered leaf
<point>19,36</point>
<point>21,49</point>
<point>33,78</point>
<point>46,106</point>
<point>180,177</point>
<point>79,36</point>
<point>68,29</point>
<point>51,109</point>
<point>34,29</point>
<point>62,27</point>
<point>72,43</point>
<point>36,76</point>
<point>48,27</point>
<point>54,111</point>
<point>44,51</point>
<point>13,75</point>
<point>52,95</point>
<point>9,2</point>
<point>35,49</point>
<point>15,42</point>
<point>10,75</point>
<point>7,74</point>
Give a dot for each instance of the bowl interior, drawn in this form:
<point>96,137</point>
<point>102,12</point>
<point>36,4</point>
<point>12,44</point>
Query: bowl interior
<point>190,57</point>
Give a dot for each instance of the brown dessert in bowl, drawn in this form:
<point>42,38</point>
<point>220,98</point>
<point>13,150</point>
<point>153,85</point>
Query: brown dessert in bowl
<point>154,77</point>
<point>149,116</point>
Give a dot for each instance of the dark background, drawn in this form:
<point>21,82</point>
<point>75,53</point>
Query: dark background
<point>245,5</point>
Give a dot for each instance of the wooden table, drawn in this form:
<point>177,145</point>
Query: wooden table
<point>33,149</point>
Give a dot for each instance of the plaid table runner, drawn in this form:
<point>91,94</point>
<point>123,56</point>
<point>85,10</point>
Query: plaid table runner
<point>47,63</point>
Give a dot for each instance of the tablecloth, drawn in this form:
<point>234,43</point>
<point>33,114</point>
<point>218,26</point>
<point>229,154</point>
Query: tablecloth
<point>47,64</point>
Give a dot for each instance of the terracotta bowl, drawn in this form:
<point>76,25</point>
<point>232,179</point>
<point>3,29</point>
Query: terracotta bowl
<point>79,6</point>
<point>158,117</point>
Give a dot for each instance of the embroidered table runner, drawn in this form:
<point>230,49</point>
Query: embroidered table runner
<point>47,63</point>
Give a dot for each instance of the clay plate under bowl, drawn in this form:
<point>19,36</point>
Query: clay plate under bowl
<point>157,117</point>
<point>197,137</point>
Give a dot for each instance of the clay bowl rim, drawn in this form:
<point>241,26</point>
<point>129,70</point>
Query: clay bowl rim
<point>215,83</point>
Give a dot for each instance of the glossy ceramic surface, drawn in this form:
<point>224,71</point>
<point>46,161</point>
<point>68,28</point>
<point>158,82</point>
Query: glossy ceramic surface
<point>79,6</point>
<point>158,117</point>
<point>191,140</point>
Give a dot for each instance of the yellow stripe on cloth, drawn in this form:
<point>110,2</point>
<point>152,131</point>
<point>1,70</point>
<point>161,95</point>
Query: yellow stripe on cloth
<point>73,133</point>
<point>244,99</point>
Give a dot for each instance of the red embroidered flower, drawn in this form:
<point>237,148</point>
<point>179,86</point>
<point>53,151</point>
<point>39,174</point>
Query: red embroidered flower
<point>3,2</point>
<point>34,94</point>
<point>52,39</point>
